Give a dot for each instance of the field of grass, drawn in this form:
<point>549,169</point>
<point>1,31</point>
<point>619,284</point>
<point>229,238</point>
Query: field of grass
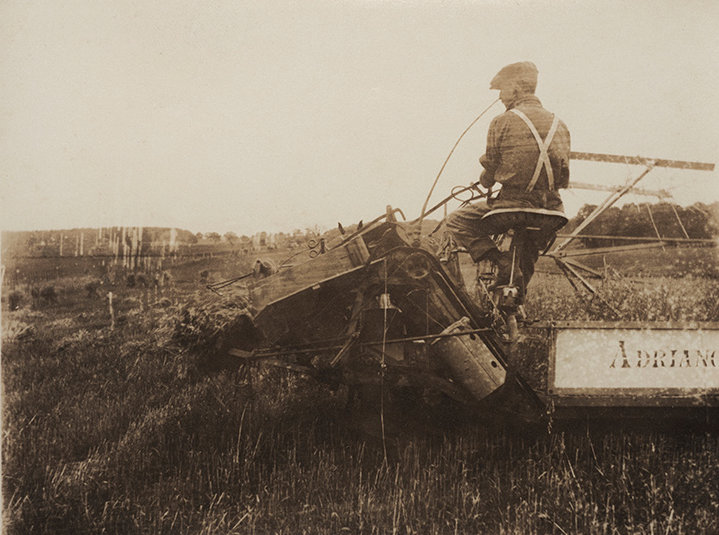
<point>654,262</point>
<point>141,429</point>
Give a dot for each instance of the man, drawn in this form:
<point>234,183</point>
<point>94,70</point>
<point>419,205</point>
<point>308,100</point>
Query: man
<point>528,154</point>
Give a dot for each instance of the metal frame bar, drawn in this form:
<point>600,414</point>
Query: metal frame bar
<point>653,325</point>
<point>567,268</point>
<point>604,250</point>
<point>640,238</point>
<point>641,160</point>
<point>656,230</point>
<point>587,269</point>
<point>679,220</point>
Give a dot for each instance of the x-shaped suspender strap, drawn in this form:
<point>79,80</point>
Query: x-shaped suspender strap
<point>543,145</point>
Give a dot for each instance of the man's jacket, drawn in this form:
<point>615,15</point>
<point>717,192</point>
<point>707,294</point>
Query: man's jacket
<point>513,152</point>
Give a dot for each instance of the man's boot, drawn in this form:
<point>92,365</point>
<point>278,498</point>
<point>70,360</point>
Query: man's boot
<point>503,262</point>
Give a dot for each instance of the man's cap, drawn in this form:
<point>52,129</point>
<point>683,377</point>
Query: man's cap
<point>524,71</point>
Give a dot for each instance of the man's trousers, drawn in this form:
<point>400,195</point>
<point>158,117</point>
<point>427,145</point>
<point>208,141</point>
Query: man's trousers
<point>468,230</point>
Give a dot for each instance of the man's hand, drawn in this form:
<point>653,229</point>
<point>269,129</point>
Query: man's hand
<point>486,179</point>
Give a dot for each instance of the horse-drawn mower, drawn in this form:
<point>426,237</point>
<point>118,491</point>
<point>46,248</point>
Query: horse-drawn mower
<point>387,314</point>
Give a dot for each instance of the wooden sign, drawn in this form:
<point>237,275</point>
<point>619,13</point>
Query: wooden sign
<point>649,364</point>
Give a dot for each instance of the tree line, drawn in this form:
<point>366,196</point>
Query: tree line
<point>649,220</point>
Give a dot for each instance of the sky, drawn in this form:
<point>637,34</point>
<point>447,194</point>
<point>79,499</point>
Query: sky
<point>249,116</point>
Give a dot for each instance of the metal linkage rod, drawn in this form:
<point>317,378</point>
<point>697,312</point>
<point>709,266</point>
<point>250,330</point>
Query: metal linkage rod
<point>707,241</point>
<point>641,160</point>
<point>259,354</point>
<point>605,250</point>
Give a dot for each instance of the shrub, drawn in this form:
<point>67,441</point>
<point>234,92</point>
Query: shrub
<point>48,295</point>
<point>14,300</point>
<point>208,328</point>
<point>92,288</point>
<point>142,280</point>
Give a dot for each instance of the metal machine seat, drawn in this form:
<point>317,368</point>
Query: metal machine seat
<point>501,220</point>
<point>533,226</point>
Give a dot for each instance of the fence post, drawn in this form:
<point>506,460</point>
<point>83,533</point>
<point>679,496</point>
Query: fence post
<point>112,312</point>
